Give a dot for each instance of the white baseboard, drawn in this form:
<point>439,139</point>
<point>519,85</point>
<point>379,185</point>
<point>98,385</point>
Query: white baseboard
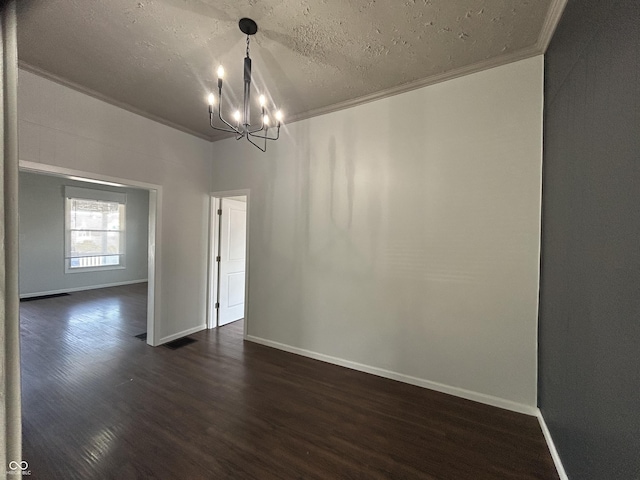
<point>181,334</point>
<point>552,447</point>
<point>439,387</point>
<point>80,289</point>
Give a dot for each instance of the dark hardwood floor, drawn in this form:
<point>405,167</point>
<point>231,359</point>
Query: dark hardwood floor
<point>99,403</point>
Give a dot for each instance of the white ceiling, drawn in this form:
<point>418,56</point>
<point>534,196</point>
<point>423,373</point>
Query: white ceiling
<point>158,57</point>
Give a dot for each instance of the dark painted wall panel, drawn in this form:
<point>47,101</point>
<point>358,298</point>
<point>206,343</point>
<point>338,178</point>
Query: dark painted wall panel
<point>589,330</point>
<point>569,44</point>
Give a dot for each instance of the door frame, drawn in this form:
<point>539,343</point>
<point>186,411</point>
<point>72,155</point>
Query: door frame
<point>212,277</point>
<point>155,224</point>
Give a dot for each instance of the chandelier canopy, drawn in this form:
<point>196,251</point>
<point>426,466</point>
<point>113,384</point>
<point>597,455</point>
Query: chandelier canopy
<point>242,127</point>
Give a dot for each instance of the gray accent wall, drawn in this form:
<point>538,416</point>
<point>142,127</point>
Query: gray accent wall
<point>42,237</point>
<point>589,324</point>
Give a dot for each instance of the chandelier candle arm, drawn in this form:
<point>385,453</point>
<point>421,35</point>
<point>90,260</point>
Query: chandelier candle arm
<point>266,136</point>
<point>243,118</point>
<point>231,128</point>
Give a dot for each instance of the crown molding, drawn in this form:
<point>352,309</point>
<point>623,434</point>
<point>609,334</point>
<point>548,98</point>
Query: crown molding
<point>550,23</point>
<point>104,98</point>
<point>539,48</point>
<point>500,60</point>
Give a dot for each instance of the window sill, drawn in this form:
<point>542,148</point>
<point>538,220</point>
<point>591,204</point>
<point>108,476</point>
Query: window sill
<point>93,269</point>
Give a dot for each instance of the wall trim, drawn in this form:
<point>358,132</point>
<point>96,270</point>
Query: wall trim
<point>539,48</point>
<point>487,64</point>
<point>380,372</point>
<point>548,28</point>
<point>104,98</point>
<point>550,24</point>
<point>181,334</point>
<point>82,288</point>
<point>552,446</point>
<point>87,177</point>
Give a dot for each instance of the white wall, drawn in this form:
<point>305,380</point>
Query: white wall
<point>64,128</point>
<point>402,236</point>
<point>42,205</point>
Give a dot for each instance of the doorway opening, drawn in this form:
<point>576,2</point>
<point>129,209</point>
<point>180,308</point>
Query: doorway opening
<point>154,193</point>
<point>228,266</point>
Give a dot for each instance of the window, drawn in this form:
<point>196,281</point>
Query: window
<point>95,230</point>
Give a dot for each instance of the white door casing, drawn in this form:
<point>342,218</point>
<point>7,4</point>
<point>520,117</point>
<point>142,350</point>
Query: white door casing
<point>232,260</point>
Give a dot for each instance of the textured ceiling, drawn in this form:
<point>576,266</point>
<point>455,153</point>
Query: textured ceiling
<point>158,57</point>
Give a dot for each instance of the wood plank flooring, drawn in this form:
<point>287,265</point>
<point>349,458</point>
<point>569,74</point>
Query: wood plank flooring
<point>99,403</point>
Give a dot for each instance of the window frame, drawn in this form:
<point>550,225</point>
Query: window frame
<point>74,193</point>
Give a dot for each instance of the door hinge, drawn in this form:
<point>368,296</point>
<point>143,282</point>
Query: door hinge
<point>217,304</point>
<point>219,211</point>
<point>218,258</point>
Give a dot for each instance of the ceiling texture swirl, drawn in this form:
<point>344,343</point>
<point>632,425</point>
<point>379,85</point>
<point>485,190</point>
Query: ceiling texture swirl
<point>158,57</point>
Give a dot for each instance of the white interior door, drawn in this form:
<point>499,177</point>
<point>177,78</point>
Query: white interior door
<point>233,233</point>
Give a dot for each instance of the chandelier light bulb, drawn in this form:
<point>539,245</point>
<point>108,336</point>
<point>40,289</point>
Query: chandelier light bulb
<point>263,101</point>
<point>211,99</point>
<point>220,72</point>
<point>265,119</point>
<point>236,115</point>
<point>279,116</point>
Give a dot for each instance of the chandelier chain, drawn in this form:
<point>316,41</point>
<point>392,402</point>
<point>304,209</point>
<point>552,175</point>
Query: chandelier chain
<point>247,45</point>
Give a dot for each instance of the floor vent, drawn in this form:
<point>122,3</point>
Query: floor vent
<point>181,342</point>
<point>141,336</point>
<point>42,297</point>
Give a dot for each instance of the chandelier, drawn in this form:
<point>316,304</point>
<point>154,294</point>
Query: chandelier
<point>242,127</point>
